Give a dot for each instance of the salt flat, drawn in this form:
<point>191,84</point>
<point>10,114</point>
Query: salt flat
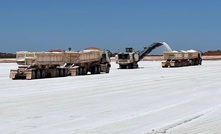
<point>149,100</point>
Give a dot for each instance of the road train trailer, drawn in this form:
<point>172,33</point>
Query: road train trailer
<point>35,65</point>
<point>182,58</point>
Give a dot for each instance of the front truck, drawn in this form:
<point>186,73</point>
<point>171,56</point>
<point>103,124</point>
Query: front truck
<point>35,65</point>
<point>182,58</point>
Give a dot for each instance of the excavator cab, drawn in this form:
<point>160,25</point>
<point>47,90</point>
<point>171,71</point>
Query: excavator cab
<point>129,49</point>
<point>127,59</point>
<point>124,56</point>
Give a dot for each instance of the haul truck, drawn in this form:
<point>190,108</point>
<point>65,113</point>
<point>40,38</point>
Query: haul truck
<point>182,58</point>
<point>130,59</point>
<point>35,65</point>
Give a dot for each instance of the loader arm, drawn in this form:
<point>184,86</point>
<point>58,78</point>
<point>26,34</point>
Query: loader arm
<point>149,49</point>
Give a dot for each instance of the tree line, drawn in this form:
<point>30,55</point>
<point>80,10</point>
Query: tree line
<point>7,55</point>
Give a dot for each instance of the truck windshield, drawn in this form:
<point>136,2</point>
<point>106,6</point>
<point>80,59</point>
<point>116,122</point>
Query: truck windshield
<point>123,56</point>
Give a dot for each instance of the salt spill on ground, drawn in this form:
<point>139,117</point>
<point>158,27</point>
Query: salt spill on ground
<point>149,100</point>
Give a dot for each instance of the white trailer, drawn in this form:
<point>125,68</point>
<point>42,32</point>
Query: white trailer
<point>35,65</point>
<point>181,58</point>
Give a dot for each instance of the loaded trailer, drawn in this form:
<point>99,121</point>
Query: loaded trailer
<point>35,65</point>
<point>182,58</point>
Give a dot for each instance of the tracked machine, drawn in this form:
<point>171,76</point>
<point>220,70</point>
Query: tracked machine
<point>35,65</point>
<point>129,59</point>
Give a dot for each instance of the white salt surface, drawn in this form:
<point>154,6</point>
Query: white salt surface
<point>149,100</point>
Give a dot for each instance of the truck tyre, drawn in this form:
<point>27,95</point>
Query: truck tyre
<point>196,61</point>
<point>57,72</point>
<point>95,70</point>
<point>177,64</point>
<point>107,69</point>
<point>80,71</point>
<point>77,71</point>
<point>200,61</point>
<point>135,65</point>
<point>65,72</point>
<point>38,74</point>
<point>98,69</point>
<point>43,74</point>
<point>122,66</point>
<point>61,72</point>
<point>192,62</point>
<point>92,70</point>
<point>84,71</point>
<point>33,74</point>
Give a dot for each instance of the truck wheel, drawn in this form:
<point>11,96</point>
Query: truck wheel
<point>84,71</point>
<point>38,75</point>
<point>95,70</point>
<point>98,69</point>
<point>33,74</point>
<point>57,72</point>
<point>197,62</point>
<point>80,71</point>
<point>65,72</point>
<point>135,65</point>
<point>192,62</point>
<point>77,71</point>
<point>177,64</point>
<point>200,62</point>
<point>107,70</point>
<point>92,70</point>
<point>61,72</point>
<point>43,74</point>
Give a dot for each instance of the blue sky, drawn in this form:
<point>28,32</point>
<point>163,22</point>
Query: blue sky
<point>41,25</point>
